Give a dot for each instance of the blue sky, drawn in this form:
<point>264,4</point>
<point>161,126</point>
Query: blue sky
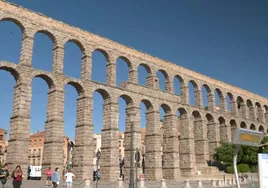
<point>226,40</point>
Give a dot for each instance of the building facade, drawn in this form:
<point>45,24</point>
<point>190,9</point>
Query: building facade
<point>36,149</point>
<point>3,146</point>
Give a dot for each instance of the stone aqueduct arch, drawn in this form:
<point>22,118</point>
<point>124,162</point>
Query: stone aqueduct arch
<point>196,125</point>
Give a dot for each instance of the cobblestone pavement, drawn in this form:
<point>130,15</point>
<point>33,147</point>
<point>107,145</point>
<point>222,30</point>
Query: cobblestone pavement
<point>41,184</point>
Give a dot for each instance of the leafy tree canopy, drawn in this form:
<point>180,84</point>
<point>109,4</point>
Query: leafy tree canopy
<point>247,154</point>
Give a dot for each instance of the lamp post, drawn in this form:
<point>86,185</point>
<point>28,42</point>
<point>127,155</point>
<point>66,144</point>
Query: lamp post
<point>131,177</point>
<point>97,164</point>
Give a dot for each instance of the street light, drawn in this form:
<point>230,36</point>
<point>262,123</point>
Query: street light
<point>131,177</point>
<point>98,154</point>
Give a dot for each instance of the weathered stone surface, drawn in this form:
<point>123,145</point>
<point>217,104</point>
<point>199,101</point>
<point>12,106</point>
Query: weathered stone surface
<point>188,140</point>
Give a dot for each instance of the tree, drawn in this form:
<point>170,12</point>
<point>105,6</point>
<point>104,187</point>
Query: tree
<point>225,153</point>
<point>247,154</point>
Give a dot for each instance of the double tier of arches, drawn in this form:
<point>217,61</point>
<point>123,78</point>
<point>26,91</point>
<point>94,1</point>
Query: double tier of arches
<point>189,119</point>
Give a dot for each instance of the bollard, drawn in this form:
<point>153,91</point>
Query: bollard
<point>225,182</point>
<point>142,183</point>
<point>222,182</point>
<point>120,183</point>
<point>213,183</point>
<point>233,180</point>
<point>199,184</point>
<point>219,183</point>
<point>230,182</point>
<point>163,183</point>
<point>187,184</point>
<point>87,184</point>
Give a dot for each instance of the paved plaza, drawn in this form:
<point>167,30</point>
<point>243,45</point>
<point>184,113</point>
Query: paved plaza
<point>151,184</point>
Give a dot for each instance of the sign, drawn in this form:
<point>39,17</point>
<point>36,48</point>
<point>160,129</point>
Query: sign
<point>263,170</point>
<point>247,137</point>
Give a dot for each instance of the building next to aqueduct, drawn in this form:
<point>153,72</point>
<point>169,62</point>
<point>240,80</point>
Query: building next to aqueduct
<point>200,129</point>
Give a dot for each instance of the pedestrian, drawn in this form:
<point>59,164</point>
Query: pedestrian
<point>3,175</point>
<point>55,178</point>
<point>17,176</point>
<point>69,178</point>
<point>48,173</point>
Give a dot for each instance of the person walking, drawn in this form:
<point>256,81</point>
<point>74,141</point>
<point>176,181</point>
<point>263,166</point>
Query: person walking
<point>17,176</point>
<point>48,173</point>
<point>3,175</point>
<point>69,179</point>
<point>55,178</point>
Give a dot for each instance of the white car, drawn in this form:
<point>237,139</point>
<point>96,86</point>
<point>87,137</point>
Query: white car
<point>36,172</point>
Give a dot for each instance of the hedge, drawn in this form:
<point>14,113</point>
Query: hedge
<point>243,168</point>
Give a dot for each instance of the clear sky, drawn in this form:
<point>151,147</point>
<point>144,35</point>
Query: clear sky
<point>226,40</point>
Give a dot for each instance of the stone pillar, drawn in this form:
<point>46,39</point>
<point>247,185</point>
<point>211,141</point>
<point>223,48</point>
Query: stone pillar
<point>84,145</point>
<point>111,71</point>
<point>260,115</point>
<point>153,155</point>
<point>58,58</point>
<point>109,142</point>
<point>26,52</point>
<point>251,113</point>
<point>223,104</point>
<point>184,95</point>
<point>233,129</point>
<point>86,67</point>
<point>187,151</point>
<point>225,132</point>
<point>171,165</point>
<point>243,111</point>
<point>18,144</point>
<point>198,98</point>
<point>213,138</point>
<point>54,130</point>
<point>133,76</point>
<point>233,108</point>
<point>127,138</point>
<point>211,101</point>
<point>169,85</point>
<point>266,117</point>
<point>201,142</point>
<point>152,82</point>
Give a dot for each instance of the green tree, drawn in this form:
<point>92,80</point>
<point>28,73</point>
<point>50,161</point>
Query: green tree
<point>247,154</point>
<point>225,153</point>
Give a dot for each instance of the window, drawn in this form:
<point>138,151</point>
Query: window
<point>1,137</point>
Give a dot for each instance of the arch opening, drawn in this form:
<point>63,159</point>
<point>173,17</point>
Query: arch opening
<point>219,100</point>
<point>193,88</point>
<point>163,80</point>
<point>123,66</point>
<point>11,37</point>
<point>6,99</point>
<point>229,100</point>
<point>206,94</point>
<point>252,127</point>
<point>243,125</point>
<point>43,51</point>
<point>144,72</point>
<point>178,84</point>
<point>70,110</point>
<point>72,59</point>
<point>100,97</point>
<point>99,62</point>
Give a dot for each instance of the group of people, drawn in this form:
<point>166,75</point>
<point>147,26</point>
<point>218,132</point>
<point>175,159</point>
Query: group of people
<point>53,178</point>
<point>17,176</point>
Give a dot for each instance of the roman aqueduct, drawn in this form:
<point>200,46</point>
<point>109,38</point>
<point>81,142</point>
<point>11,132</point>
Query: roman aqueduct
<point>200,129</point>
